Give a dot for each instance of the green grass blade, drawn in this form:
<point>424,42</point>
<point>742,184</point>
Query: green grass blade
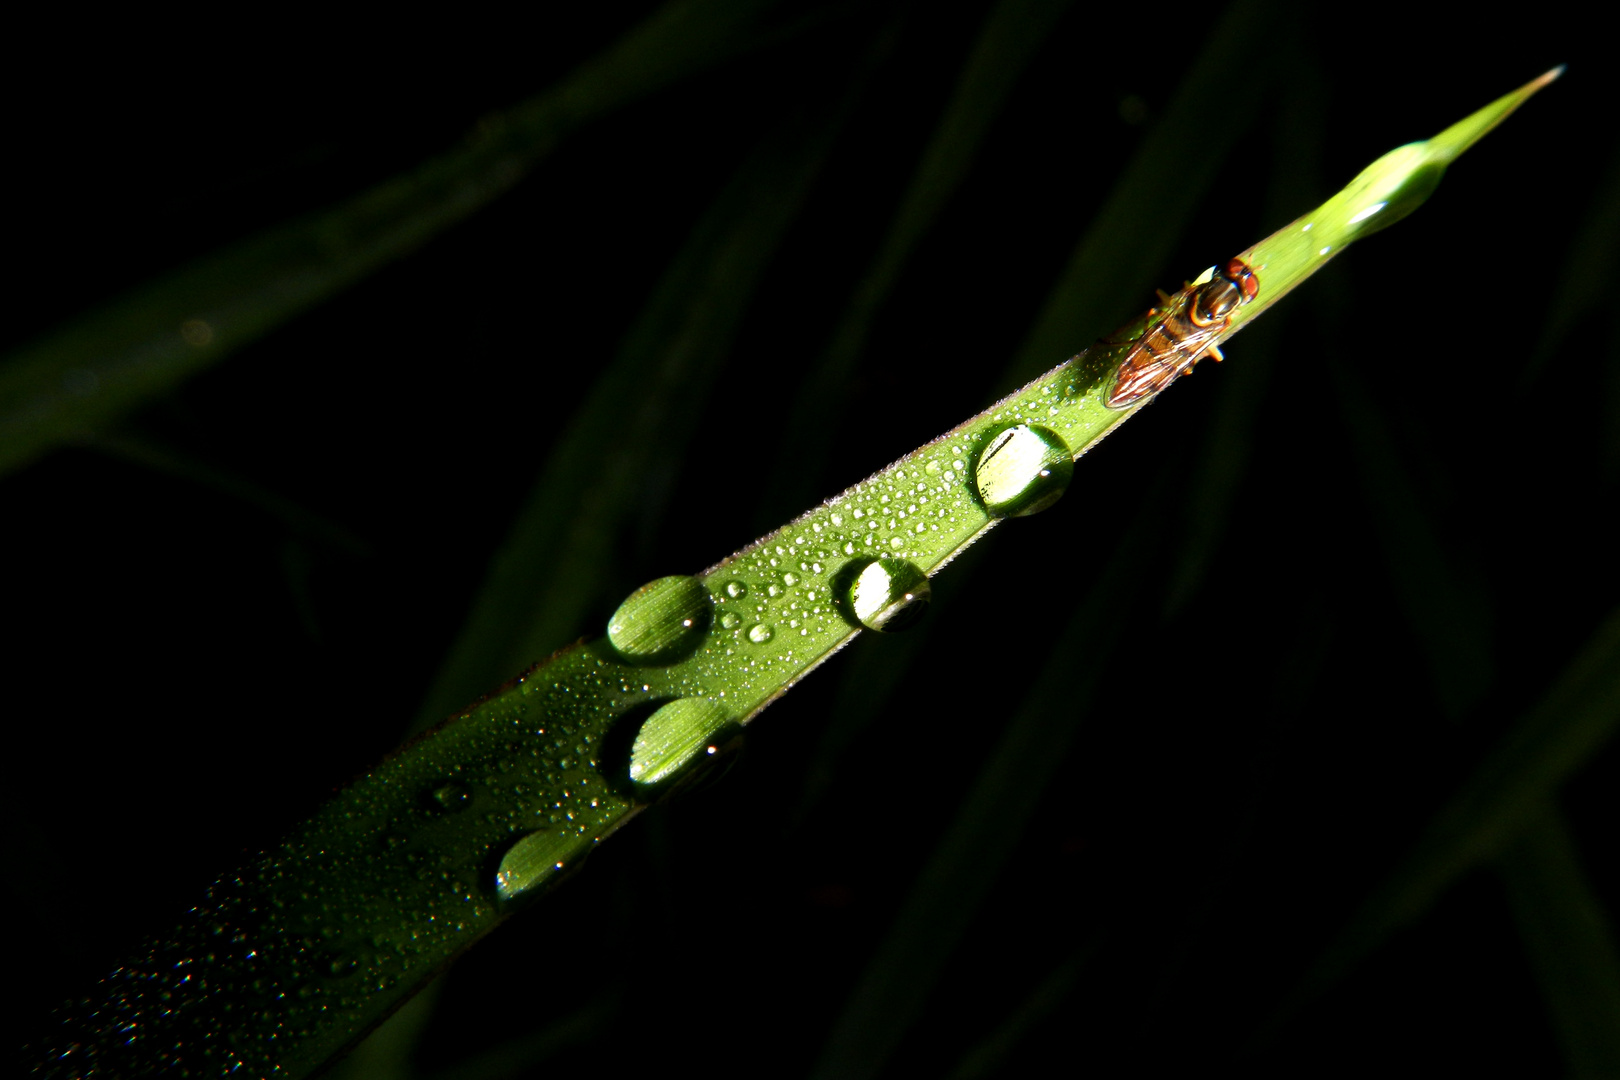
<point>1564,930</point>
<point>964,865</point>
<point>987,1055</point>
<point>1590,267</point>
<point>1380,195</point>
<point>1565,729</point>
<point>549,574</point>
<point>1220,466</point>
<point>286,962</point>
<point>1568,940</point>
<point>116,359</point>
<point>294,518</point>
<point>1122,255</point>
<point>1449,615</point>
<point>1012,34</point>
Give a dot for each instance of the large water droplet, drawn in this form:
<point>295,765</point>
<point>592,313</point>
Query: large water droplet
<point>1023,470</point>
<point>662,621</point>
<point>884,594</point>
<point>760,633</point>
<point>673,737</point>
<point>533,860</point>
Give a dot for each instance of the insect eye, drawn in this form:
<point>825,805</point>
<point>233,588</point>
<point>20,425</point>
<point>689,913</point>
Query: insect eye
<point>1238,271</point>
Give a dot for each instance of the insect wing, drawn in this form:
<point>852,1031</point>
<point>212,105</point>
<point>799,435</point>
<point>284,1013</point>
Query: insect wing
<point>1160,356</point>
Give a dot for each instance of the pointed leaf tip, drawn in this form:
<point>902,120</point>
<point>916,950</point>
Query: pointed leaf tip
<point>1465,133</point>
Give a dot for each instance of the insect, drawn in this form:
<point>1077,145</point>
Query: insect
<point>1184,334</point>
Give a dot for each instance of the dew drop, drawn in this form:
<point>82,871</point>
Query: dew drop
<point>790,579</point>
<point>1023,470</point>
<point>530,862</point>
<point>731,620</point>
<point>452,796</point>
<point>736,590</point>
<point>673,737</point>
<point>760,633</point>
<point>886,595</point>
<point>662,621</point>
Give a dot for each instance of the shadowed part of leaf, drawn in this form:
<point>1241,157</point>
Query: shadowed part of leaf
<point>114,360</point>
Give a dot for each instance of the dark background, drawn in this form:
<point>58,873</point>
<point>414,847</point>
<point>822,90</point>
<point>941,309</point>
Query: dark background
<point>192,669</point>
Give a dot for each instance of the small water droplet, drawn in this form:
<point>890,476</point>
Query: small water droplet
<point>886,595</point>
<point>662,621</point>
<point>736,590</point>
<point>760,633</point>
<point>674,736</point>
<point>731,620</point>
<point>790,579</point>
<point>531,861</point>
<point>1023,470</point>
<point>452,796</point>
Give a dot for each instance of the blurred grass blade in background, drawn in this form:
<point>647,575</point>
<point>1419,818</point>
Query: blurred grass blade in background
<point>1563,928</point>
<point>1067,317</point>
<point>1569,941</point>
<point>112,361</point>
<point>1012,34</point>
<point>1575,718</point>
<point>965,863</point>
<point>549,574</point>
<point>1122,254</point>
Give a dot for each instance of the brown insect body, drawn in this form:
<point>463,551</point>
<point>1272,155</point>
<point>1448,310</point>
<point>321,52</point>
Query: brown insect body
<point>1188,326</point>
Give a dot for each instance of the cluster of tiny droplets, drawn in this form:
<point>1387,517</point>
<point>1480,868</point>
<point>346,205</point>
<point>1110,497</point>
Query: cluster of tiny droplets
<point>285,961</point>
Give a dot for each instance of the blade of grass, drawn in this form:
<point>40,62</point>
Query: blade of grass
<point>389,1051</point>
<point>549,573</point>
<point>1218,469</point>
<point>294,517</point>
<point>1587,273</point>
<point>1012,34</point>
<point>519,1057</point>
<point>320,937</point>
<point>900,976</point>
<point>1575,718</point>
<point>1124,251</point>
<point>1450,616</point>
<point>895,986</point>
<point>1568,940</point>
<point>111,361</point>
<point>988,1055</point>
<point>1551,900</point>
